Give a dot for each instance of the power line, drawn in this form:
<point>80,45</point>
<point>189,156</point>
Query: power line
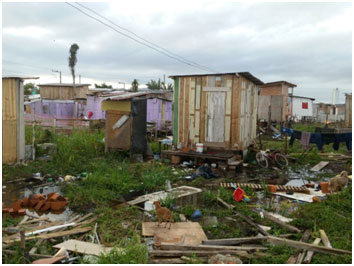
<point>126,35</point>
<point>141,38</point>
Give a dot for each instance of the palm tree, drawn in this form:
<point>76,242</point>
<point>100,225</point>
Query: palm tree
<point>153,85</point>
<point>72,59</point>
<point>135,85</point>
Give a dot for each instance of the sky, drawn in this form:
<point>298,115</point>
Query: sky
<point>308,44</point>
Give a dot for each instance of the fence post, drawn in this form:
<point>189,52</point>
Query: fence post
<point>33,140</point>
<point>54,124</point>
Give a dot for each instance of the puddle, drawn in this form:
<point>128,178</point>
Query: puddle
<point>16,191</point>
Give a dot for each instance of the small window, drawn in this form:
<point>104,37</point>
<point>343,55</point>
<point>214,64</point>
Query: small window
<point>217,78</point>
<point>45,109</point>
<point>305,105</point>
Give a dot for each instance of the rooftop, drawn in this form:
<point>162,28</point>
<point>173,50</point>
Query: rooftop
<point>246,75</point>
<point>279,83</point>
<point>19,77</point>
<point>63,85</point>
<point>295,96</point>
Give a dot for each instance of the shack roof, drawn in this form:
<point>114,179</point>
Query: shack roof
<point>63,85</point>
<point>246,75</point>
<point>19,77</point>
<point>130,95</point>
<point>278,83</point>
<point>303,97</point>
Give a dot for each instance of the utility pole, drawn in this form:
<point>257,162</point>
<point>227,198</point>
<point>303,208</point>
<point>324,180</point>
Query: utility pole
<point>79,79</point>
<point>57,71</point>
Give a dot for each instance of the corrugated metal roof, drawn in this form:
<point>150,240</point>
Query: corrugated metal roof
<point>246,75</point>
<point>278,82</point>
<point>63,84</point>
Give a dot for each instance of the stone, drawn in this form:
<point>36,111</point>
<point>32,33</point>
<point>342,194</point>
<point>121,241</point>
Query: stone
<point>224,259</point>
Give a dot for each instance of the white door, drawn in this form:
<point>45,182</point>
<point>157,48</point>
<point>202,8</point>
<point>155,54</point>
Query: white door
<point>215,116</point>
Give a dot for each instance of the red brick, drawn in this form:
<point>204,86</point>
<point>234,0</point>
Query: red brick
<point>25,202</point>
<point>46,206</point>
<point>11,210</point>
<point>57,205</point>
<point>49,195</point>
<point>5,209</point>
<point>39,205</point>
<point>17,205</point>
<point>33,202</point>
<point>22,211</point>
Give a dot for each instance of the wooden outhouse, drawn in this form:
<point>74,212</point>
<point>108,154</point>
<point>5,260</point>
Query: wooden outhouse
<point>217,110</point>
<point>126,116</point>
<point>13,124</point>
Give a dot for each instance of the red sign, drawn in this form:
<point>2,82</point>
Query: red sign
<point>305,106</point>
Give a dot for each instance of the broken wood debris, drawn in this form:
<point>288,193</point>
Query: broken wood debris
<point>319,166</point>
<point>168,246</point>
<point>234,241</point>
<point>310,247</point>
<point>309,254</point>
<point>276,220</point>
<point>85,247</point>
<point>301,189</point>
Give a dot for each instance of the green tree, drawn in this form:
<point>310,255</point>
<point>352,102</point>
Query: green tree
<point>135,85</point>
<point>29,87</point>
<point>103,85</point>
<point>158,85</point>
<point>73,59</point>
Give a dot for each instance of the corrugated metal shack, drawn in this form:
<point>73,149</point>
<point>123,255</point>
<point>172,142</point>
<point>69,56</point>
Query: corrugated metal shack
<point>273,101</point>
<point>13,125</point>
<point>126,116</point>
<point>218,110</point>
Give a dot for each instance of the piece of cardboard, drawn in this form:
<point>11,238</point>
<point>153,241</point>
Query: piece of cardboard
<point>187,233</point>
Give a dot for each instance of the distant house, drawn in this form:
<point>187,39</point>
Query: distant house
<point>329,113</point>
<point>348,110</point>
<point>273,101</point>
<point>63,91</point>
<point>13,126</point>
<point>217,110</point>
<point>300,107</point>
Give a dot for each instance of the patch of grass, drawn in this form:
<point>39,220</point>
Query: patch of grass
<point>334,216</point>
<point>114,225</point>
<point>276,255</point>
<point>8,220</point>
<point>134,253</point>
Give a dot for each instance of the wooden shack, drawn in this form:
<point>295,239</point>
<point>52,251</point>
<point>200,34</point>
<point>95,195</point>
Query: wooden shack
<point>126,116</point>
<point>13,124</point>
<point>63,91</point>
<point>218,110</point>
<point>274,101</point>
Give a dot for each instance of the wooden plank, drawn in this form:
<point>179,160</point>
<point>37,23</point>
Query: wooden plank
<point>216,89</point>
<point>167,261</point>
<point>53,235</point>
<point>302,245</point>
<point>281,223</point>
<point>181,111</point>
<point>175,110</point>
<point>84,247</point>
<point>234,241</point>
<point>309,254</point>
<point>168,246</point>
<point>199,253</point>
<point>297,257</point>
<point>319,166</point>
<point>325,239</point>
<point>202,125</point>
<point>186,111</point>
<point>235,111</point>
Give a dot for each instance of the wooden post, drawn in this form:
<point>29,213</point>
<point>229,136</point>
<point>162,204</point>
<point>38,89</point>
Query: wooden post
<point>54,124</point>
<point>33,140</point>
<point>23,245</point>
<point>269,119</point>
<point>259,136</point>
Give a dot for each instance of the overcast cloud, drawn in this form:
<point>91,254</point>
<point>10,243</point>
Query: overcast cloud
<point>309,44</point>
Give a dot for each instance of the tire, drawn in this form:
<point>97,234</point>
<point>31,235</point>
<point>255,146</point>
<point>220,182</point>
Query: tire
<point>281,160</point>
<point>262,160</point>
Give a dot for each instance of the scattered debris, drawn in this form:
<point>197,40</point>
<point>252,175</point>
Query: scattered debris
<point>224,259</point>
<point>85,247</point>
<point>319,166</point>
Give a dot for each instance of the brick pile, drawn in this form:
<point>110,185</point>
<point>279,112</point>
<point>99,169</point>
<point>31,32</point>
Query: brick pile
<point>39,202</point>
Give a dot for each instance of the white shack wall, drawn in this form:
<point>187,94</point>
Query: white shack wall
<point>298,111</point>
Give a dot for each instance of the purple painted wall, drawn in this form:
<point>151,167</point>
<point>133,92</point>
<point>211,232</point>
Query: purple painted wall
<point>46,110</point>
<point>154,111</point>
<point>94,104</point>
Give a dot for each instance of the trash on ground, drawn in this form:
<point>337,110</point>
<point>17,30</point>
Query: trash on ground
<point>83,247</point>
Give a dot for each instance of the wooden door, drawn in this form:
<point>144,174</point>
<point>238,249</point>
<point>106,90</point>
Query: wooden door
<point>215,116</point>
